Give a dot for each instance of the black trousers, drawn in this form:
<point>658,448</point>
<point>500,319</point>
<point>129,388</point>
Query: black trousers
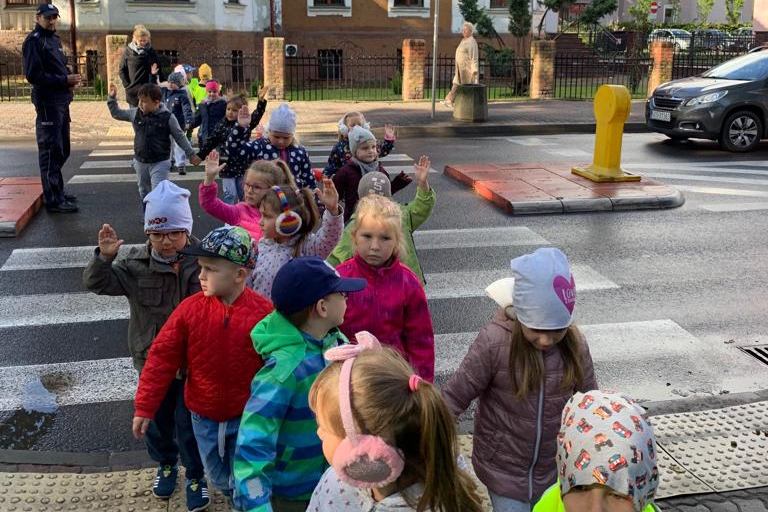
<point>170,436</point>
<point>52,131</point>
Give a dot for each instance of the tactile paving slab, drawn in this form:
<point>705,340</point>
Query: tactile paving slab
<point>724,448</point>
<point>675,479</point>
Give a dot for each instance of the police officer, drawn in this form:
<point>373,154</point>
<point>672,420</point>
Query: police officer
<point>45,67</point>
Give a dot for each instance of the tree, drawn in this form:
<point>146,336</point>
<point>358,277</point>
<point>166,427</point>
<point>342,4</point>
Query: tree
<point>480,19</point>
<point>639,12</point>
<point>675,4</point>
<point>705,7</point>
<point>596,10</point>
<point>519,17</point>
<point>552,5</point>
<point>733,11</point>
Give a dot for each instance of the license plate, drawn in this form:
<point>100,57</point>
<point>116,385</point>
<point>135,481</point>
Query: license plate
<point>660,115</point>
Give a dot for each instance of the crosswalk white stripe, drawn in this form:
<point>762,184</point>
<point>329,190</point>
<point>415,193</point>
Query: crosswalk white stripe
<point>106,164</point>
<point>723,191</point>
<point>130,177</point>
<point>74,383</point>
<point>111,152</point>
<point>696,164</point>
<point>60,308</point>
<point>119,164</point>
<point>40,258</point>
<point>628,356</point>
<point>713,170</point>
<point>472,283</point>
<point>713,179</point>
<point>394,157</point>
<point>530,141</point>
<point>651,360</point>
<point>116,143</point>
<point>733,207</point>
<point>68,308</point>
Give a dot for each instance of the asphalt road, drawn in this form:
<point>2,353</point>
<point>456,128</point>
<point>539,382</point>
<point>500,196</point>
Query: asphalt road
<point>665,297</point>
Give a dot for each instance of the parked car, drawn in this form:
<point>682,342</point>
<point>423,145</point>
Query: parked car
<point>728,103</point>
<point>740,40</point>
<point>710,39</point>
<point>677,36</point>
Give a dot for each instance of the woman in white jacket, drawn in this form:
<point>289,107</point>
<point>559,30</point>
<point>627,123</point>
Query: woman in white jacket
<point>467,62</point>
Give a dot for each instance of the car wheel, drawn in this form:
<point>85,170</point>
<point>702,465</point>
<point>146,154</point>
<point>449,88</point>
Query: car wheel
<point>741,132</point>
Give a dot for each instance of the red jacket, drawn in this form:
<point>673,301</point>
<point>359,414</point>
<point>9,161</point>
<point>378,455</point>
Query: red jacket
<point>213,343</point>
<point>394,309</point>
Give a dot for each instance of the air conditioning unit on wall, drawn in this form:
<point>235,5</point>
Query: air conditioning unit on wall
<point>291,50</point>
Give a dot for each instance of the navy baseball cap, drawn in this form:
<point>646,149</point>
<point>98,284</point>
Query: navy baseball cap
<point>303,281</point>
<point>47,10</point>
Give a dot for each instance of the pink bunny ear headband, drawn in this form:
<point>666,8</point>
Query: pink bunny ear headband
<point>361,460</point>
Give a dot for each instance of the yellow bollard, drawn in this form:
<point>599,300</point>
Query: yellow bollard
<point>612,108</point>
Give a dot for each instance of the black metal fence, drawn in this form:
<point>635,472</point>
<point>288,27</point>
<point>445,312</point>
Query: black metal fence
<point>334,75</point>
<point>91,66</point>
<point>579,76</point>
<point>237,72</point>
<point>507,78</point>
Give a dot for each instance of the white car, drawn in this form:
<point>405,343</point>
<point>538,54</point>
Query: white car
<point>677,36</point>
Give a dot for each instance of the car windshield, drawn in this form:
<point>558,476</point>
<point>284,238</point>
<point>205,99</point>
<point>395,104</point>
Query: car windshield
<point>681,33</point>
<point>753,66</point>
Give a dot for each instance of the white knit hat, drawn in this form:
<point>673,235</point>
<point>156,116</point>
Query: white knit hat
<point>357,136</point>
<point>283,119</point>
<point>542,290</point>
<point>167,209</point>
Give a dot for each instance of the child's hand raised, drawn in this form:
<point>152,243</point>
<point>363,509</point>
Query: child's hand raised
<point>389,132</point>
<point>109,244</point>
<point>244,116</point>
<point>112,91</point>
<point>212,167</point>
<point>154,69</point>
<point>140,426</point>
<point>421,169</point>
<point>263,93</point>
<point>329,196</point>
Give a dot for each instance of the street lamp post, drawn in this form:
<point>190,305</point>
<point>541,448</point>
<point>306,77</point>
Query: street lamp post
<point>434,56</point>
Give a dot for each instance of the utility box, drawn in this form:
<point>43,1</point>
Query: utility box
<point>471,103</point>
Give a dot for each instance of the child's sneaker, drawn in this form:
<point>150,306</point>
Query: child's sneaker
<point>197,495</point>
<point>182,170</point>
<point>165,482</point>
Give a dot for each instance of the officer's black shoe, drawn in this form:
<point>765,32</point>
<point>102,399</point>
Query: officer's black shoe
<point>70,198</point>
<point>62,207</point>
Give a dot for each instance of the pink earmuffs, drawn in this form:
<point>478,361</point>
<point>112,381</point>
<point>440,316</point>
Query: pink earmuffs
<point>361,460</point>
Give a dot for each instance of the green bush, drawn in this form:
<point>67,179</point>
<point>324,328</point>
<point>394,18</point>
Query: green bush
<point>397,83</point>
<point>99,86</point>
<point>255,88</point>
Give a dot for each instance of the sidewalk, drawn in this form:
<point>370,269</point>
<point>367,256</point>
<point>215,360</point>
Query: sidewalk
<point>320,118</point>
<point>711,460</point>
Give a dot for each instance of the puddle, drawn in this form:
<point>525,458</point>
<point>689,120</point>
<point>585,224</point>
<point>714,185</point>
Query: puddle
<point>24,428</point>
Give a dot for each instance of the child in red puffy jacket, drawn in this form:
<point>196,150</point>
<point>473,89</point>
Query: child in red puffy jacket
<point>209,337</point>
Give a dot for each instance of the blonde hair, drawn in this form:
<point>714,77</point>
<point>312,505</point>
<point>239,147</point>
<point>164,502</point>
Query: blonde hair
<point>346,117</point>
<point>418,423</point>
<point>278,173</point>
<point>384,211</point>
<point>141,30</point>
<point>526,364</point>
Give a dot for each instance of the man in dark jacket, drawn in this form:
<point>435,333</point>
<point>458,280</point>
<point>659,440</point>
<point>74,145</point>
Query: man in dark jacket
<point>45,67</point>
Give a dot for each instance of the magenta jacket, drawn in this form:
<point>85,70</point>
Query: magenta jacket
<point>515,441</point>
<point>393,307</point>
<point>241,214</point>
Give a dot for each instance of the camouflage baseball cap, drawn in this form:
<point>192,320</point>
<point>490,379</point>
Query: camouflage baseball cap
<point>232,243</point>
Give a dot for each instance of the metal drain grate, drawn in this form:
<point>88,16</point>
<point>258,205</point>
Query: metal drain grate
<point>759,352</point>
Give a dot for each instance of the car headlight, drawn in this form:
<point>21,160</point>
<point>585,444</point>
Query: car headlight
<point>707,98</point>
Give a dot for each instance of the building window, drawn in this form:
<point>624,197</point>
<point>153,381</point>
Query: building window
<point>22,3</point>
<point>329,8</point>
<point>408,8</point>
<point>329,64</point>
<point>499,4</point>
<point>169,59</point>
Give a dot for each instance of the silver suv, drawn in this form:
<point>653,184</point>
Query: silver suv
<point>728,103</point>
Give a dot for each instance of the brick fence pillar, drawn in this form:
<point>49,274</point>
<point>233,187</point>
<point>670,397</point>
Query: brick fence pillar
<point>414,56</point>
<point>663,55</point>
<point>274,67</point>
<point>543,72</point>
<point>115,49</point>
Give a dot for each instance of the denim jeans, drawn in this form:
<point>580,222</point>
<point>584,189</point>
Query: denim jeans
<point>503,504</point>
<point>150,175</point>
<point>216,441</point>
<point>170,436</point>
<point>233,189</point>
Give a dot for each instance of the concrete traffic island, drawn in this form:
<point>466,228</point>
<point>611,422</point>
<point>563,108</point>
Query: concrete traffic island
<point>20,200</point>
<point>526,188</point>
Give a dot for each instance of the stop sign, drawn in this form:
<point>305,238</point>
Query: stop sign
<point>654,7</point>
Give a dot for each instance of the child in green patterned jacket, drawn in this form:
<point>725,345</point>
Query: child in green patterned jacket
<point>279,458</point>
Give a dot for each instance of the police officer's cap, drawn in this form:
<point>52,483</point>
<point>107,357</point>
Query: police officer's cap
<point>47,10</point>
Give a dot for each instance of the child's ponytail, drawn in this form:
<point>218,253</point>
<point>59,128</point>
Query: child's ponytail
<point>446,487</point>
<point>287,174</point>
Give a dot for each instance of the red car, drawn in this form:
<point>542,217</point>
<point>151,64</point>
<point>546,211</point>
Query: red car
<point>637,422</point>
<point>617,406</point>
<point>583,460</point>
<point>586,402</point>
<point>617,462</point>
<point>621,430</point>
<point>583,427</point>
